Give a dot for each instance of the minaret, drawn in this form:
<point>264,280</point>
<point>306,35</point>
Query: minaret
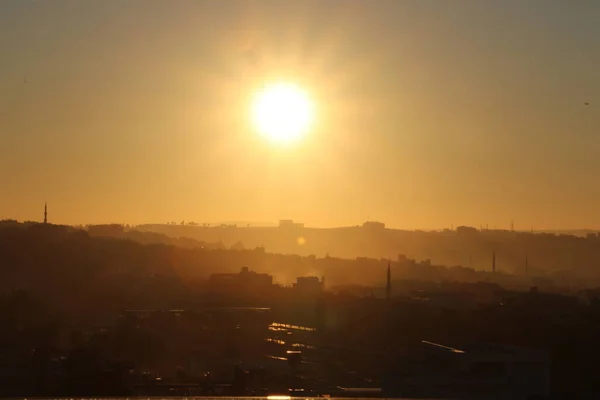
<point>45,213</point>
<point>388,287</point>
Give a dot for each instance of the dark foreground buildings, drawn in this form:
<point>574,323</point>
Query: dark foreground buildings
<point>480,370</point>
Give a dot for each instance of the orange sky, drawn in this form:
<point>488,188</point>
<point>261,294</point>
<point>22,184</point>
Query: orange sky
<point>430,114</point>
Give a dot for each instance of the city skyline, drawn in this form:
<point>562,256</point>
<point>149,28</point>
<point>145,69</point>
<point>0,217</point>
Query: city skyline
<point>302,225</point>
<point>429,115</point>
<point>510,226</point>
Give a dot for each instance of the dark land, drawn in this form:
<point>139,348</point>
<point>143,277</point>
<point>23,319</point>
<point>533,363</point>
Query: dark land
<point>116,311</point>
<point>571,259</point>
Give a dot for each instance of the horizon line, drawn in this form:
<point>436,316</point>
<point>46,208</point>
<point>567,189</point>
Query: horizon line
<point>266,224</point>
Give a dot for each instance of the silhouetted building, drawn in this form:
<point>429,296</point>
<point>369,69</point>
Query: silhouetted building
<point>308,285</point>
<point>45,213</point>
<point>466,230</point>
<point>245,282</point>
<point>373,225</point>
<point>288,223</point>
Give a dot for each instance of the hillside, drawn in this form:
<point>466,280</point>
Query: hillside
<point>516,252</point>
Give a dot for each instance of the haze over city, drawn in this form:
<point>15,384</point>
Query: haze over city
<point>306,199</point>
<point>423,114</point>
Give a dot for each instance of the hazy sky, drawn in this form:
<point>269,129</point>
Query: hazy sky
<point>430,113</point>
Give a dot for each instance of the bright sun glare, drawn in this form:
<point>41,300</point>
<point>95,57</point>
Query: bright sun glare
<point>282,112</point>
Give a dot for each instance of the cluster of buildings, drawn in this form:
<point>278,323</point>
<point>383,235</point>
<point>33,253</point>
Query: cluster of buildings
<point>250,283</point>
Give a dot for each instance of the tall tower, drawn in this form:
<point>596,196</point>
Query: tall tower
<point>45,212</point>
<point>494,262</point>
<point>388,287</point>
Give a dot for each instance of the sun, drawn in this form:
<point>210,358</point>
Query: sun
<point>282,112</point>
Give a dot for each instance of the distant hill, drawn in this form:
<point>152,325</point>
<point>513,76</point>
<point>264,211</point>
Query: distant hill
<point>79,268</point>
<point>516,252</point>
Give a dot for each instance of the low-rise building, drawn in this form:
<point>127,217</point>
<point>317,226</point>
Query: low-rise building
<point>244,282</point>
<point>375,225</point>
<point>308,285</point>
<point>288,223</point>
